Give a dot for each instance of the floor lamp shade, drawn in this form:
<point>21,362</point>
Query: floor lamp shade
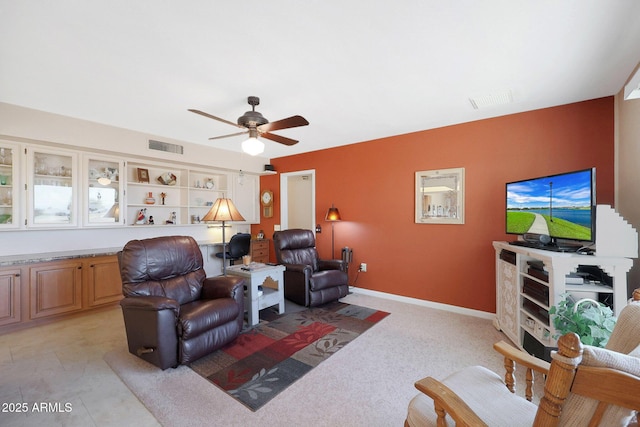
<point>333,215</point>
<point>223,210</point>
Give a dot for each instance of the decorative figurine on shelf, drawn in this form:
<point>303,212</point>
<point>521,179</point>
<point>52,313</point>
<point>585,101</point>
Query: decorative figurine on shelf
<point>260,235</point>
<point>172,218</point>
<point>150,219</point>
<point>162,196</point>
<point>142,216</point>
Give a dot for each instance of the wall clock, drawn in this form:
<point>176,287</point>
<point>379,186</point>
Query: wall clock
<point>266,198</point>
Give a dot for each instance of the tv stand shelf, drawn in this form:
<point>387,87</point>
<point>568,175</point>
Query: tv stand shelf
<point>529,281</point>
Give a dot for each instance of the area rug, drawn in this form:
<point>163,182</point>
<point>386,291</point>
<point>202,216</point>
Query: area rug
<point>265,360</point>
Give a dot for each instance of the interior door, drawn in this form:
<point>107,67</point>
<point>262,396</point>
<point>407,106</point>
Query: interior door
<point>297,200</point>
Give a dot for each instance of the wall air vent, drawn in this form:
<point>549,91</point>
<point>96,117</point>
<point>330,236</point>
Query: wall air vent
<point>498,98</point>
<point>166,146</point>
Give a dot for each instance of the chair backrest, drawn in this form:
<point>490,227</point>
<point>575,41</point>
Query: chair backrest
<point>239,245</point>
<point>296,246</point>
<point>169,266</point>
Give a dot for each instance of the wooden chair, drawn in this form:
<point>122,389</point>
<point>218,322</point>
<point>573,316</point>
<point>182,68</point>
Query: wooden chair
<point>585,386</point>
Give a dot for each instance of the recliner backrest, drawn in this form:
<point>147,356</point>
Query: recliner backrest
<point>296,246</point>
<point>239,245</point>
<point>168,266</point>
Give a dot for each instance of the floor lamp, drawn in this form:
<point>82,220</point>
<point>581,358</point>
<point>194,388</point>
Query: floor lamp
<point>223,210</point>
<point>332,216</point>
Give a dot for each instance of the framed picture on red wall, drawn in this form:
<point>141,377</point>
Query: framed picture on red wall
<point>440,196</point>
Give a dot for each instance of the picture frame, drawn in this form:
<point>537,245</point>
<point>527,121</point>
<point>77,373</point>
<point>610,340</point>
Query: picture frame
<point>439,196</point>
<point>143,175</point>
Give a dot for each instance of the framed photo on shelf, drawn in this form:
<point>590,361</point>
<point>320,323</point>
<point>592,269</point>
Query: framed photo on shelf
<point>143,175</point>
<point>440,196</point>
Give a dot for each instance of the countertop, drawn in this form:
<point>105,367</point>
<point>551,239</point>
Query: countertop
<point>13,260</point>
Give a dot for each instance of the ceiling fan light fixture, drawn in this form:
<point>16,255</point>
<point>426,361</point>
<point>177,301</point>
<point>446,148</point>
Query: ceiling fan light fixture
<point>252,145</point>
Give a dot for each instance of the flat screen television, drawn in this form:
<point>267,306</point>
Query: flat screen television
<point>561,206</point>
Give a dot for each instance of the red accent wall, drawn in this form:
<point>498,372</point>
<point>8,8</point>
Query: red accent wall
<point>372,184</point>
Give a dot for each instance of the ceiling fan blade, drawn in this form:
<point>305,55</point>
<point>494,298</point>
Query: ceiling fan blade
<point>278,138</point>
<point>202,113</point>
<point>230,135</point>
<point>291,122</point>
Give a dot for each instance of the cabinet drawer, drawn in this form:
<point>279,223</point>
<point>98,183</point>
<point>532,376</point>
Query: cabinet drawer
<point>260,244</point>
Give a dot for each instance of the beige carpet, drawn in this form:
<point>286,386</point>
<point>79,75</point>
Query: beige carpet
<point>368,383</point>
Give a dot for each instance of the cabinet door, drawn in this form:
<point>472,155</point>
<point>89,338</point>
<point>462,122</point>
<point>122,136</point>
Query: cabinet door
<point>55,288</point>
<point>508,300</point>
<point>8,185</point>
<point>51,184</point>
<point>103,190</point>
<point>245,196</point>
<point>103,283</point>
<point>9,296</point>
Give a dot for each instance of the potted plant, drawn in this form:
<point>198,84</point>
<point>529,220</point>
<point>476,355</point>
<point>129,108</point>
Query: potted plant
<point>591,320</point>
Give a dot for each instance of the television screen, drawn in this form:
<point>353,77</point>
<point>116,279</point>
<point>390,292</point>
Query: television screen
<point>561,206</point>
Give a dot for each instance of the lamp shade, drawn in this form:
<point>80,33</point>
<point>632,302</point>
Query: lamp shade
<point>333,214</point>
<point>223,210</point>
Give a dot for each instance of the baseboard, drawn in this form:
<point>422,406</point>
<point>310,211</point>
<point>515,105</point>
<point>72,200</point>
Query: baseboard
<point>425,303</point>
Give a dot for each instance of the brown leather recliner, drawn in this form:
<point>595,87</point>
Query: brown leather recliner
<point>173,313</point>
<point>308,280</point>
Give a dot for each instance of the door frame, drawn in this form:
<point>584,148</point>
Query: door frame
<point>284,197</point>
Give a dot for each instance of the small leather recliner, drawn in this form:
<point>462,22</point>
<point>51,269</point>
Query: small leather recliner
<point>173,313</point>
<point>308,280</point>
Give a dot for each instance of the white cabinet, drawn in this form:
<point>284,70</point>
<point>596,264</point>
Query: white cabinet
<point>103,189</point>
<point>52,195</point>
<point>156,194</point>
<point>9,185</point>
<point>205,187</point>
<point>43,187</point>
<point>530,281</point>
<point>245,196</point>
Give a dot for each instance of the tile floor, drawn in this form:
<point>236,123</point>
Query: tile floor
<point>57,373</point>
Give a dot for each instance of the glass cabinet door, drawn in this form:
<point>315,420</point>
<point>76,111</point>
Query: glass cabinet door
<point>104,191</point>
<point>8,185</point>
<point>52,199</point>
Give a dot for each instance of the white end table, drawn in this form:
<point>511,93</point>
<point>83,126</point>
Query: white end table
<point>271,278</point>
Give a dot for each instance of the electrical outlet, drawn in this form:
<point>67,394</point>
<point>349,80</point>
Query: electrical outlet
<point>363,267</point>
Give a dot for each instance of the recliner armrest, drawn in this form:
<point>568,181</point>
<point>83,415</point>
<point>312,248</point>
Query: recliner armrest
<point>331,264</point>
<point>222,287</point>
<point>298,268</point>
<point>150,303</point>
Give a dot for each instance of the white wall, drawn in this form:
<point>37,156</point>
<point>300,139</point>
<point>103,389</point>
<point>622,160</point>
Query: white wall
<point>31,126</point>
<point>628,172</point>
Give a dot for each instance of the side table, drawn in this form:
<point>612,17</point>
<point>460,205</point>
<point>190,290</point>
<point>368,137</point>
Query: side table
<point>271,278</point>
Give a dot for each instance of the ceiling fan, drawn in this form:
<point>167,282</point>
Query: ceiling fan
<point>255,124</point>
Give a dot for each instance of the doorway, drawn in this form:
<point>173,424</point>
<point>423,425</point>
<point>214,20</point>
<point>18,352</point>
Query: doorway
<point>298,200</point>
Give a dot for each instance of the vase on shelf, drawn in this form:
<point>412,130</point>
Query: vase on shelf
<point>150,200</point>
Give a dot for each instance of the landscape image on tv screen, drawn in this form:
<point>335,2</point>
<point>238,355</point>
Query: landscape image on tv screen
<point>559,206</point>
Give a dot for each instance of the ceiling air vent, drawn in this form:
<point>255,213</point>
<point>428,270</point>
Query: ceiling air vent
<point>498,98</point>
<point>165,146</point>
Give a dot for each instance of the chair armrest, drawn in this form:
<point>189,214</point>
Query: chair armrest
<point>332,264</point>
<point>522,358</point>
<point>298,268</point>
<point>222,287</point>
<point>150,303</point>
<point>445,399</point>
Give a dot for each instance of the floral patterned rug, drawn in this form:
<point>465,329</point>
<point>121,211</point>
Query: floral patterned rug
<point>265,360</point>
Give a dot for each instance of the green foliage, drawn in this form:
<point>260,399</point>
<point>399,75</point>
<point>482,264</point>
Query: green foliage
<point>593,323</point>
<point>519,222</point>
<point>560,227</point>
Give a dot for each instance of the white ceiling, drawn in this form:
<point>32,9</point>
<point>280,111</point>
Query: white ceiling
<point>357,70</point>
